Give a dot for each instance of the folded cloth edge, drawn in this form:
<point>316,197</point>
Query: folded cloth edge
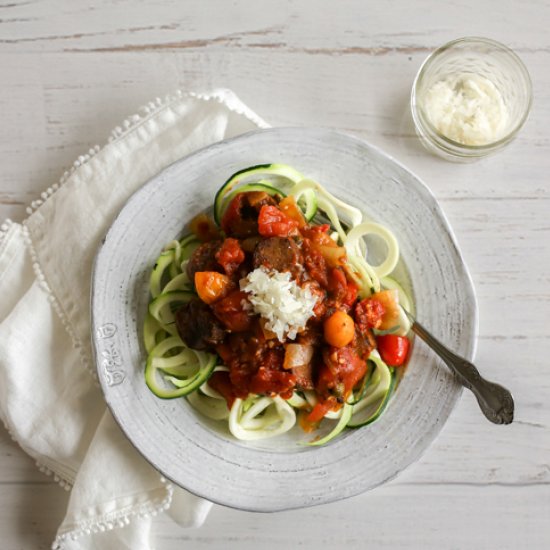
<point>223,96</point>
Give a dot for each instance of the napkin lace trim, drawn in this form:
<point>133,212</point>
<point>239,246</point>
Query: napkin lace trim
<point>117,519</point>
<point>121,518</point>
<point>41,278</point>
<point>57,477</point>
<point>61,481</point>
<point>222,96</point>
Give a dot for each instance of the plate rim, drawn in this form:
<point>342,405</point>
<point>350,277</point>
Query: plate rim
<point>438,210</point>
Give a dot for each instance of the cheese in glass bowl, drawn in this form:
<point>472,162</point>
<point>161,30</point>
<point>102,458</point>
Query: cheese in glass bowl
<point>470,98</point>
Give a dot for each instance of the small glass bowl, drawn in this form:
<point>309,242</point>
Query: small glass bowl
<point>478,56</point>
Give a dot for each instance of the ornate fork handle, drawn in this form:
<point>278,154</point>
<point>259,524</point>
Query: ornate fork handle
<point>495,401</point>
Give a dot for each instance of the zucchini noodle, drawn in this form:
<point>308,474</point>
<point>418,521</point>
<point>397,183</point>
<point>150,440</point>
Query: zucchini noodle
<point>264,417</point>
<point>174,370</point>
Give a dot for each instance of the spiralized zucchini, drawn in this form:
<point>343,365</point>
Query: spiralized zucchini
<point>260,417</point>
<point>174,370</point>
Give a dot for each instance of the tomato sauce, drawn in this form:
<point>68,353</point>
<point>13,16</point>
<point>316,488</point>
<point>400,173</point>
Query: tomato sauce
<point>255,358</point>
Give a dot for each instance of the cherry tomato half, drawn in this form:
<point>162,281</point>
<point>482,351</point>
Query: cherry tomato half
<point>393,349</point>
<point>339,329</point>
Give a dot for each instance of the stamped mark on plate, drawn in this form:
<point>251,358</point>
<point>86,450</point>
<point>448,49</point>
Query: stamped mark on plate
<point>108,330</point>
<point>111,361</point>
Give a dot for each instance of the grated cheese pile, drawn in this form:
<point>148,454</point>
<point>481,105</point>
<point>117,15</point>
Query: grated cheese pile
<point>467,108</point>
<point>284,305</point>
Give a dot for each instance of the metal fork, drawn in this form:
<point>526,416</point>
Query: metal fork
<point>495,401</point>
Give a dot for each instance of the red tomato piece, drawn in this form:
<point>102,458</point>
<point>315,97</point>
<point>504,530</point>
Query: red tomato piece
<point>351,368</point>
<point>323,228</point>
<point>231,312</point>
<point>342,368</point>
<point>351,295</point>
<point>393,349</point>
<point>224,351</point>
<point>268,381</point>
<point>220,382</point>
<point>368,314</point>
<point>230,256</point>
<point>239,375</point>
<point>337,284</point>
<point>315,263</point>
<point>240,218</point>
<point>318,234</point>
<point>272,222</point>
<point>232,213</point>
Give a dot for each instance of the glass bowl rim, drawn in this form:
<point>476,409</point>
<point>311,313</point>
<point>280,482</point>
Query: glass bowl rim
<point>456,146</point>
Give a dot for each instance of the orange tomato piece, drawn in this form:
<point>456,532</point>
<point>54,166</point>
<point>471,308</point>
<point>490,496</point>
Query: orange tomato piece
<point>334,255</point>
<point>390,302</point>
<point>292,210</point>
<point>319,411</point>
<point>212,286</point>
<point>339,329</point>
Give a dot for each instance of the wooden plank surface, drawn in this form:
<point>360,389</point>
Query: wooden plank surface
<point>71,71</point>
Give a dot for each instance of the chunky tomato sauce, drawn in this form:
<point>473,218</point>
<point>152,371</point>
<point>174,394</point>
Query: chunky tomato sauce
<point>329,355</point>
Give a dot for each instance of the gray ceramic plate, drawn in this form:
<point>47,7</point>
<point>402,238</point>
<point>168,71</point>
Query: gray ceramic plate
<point>279,474</point>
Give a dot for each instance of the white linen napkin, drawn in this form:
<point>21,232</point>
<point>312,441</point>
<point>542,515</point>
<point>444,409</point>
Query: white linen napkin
<point>50,401</point>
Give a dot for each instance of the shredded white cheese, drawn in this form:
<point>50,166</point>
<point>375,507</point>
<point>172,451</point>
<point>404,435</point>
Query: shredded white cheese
<point>467,108</point>
<point>285,306</point>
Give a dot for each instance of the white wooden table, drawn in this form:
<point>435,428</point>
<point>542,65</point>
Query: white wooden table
<point>72,70</point>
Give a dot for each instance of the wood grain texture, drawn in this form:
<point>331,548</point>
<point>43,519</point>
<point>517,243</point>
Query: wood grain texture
<point>70,71</point>
<point>394,516</point>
